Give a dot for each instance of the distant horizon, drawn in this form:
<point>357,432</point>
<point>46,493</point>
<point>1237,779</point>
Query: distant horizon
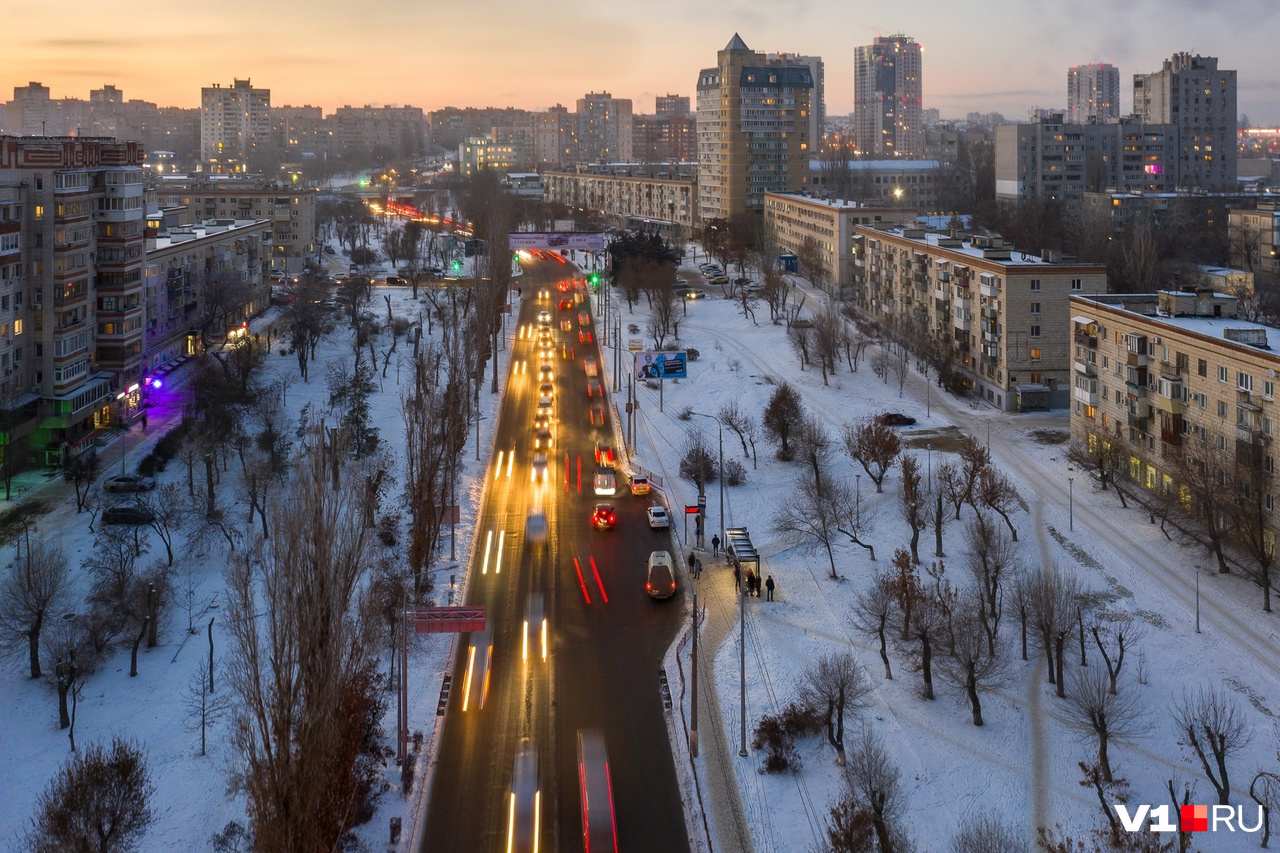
<point>998,56</point>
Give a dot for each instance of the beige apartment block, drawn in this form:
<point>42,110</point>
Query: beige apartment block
<point>1160,372</point>
<point>1254,238</point>
<point>661,197</point>
<point>1004,314</point>
<point>830,223</point>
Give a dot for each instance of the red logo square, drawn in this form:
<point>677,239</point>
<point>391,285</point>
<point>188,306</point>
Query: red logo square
<point>1195,819</point>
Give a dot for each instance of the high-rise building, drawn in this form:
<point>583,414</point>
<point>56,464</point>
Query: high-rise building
<point>234,122</point>
<point>1193,94</point>
<point>753,130</point>
<point>1093,93</point>
<point>817,97</point>
<point>555,138</point>
<point>672,105</point>
<point>887,107</point>
<point>604,129</point>
<point>72,223</point>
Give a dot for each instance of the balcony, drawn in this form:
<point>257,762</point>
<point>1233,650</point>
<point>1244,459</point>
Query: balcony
<point>1086,396</point>
<point>1085,339</point>
<point>942,292</point>
<point>1137,422</point>
<point>989,290</point>
<point>1087,368</point>
<point>1136,392</point>
<point>1136,359</point>
<point>1172,405</point>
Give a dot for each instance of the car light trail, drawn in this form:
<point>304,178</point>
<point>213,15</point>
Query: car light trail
<point>510,461</point>
<point>497,469</point>
<point>488,541</point>
<point>581,581</point>
<point>497,563</point>
<point>599,582</point>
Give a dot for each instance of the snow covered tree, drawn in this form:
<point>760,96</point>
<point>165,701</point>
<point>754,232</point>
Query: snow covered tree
<point>100,799</point>
<point>32,589</point>
<point>874,446</point>
<point>1212,724</point>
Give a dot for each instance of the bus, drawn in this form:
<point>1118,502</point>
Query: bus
<point>599,829</point>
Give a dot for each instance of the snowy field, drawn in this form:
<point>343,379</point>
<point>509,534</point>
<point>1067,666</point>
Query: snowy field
<point>1022,764</point>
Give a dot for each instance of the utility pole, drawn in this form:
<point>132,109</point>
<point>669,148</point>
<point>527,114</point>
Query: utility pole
<point>693,702</point>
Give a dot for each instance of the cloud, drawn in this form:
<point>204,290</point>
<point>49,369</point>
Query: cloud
<point>89,43</point>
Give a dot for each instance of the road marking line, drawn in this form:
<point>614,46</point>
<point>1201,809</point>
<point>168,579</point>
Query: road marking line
<point>599,582</point>
<point>581,581</point>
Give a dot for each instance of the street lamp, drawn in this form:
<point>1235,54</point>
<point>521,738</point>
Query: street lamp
<point>720,427</point>
<point>929,450</point>
<point>1071,503</point>
<point>858,492</point>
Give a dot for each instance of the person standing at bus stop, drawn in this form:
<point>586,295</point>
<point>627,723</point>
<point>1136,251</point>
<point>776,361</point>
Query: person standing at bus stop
<point>715,545</point>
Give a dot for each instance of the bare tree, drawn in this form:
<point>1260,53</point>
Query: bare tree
<point>812,442</point>
<point>874,797</point>
<point>739,421</point>
<point>828,334</point>
<point>814,515</point>
<point>1095,712</point>
<point>1114,637</point>
<point>1265,791</point>
<point>992,558</point>
<point>952,485</point>
<point>203,706</point>
<point>1204,472</point>
<point>874,446</point>
<point>297,675</point>
<point>972,666</point>
<point>873,613</point>
<point>833,685</point>
<point>922,635</point>
<point>100,800</point>
<point>915,503</point>
<point>29,593</point>
<point>995,492</point>
<point>974,459</point>
<point>81,470</point>
<point>1212,724</point>
<point>1104,458</point>
<point>1054,598</point>
<point>782,417</point>
<point>801,336</point>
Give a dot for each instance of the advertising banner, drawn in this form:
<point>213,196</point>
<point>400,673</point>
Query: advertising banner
<point>661,365</point>
<point>584,241</point>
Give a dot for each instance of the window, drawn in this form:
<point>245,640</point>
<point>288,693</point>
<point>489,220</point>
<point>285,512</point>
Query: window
<point>1035,286</point>
<point>1222,373</point>
<point>1202,367</point>
<point>1203,400</point>
<point>1244,381</point>
<point>1035,353</point>
<point>1075,284</point>
<point>1222,408</point>
<point>1268,389</point>
<point>1035,331</point>
<point>1035,307</point>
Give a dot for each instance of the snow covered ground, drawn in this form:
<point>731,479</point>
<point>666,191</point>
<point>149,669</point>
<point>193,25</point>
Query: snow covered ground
<point>1021,764</point>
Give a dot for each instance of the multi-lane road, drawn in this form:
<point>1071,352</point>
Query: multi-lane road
<point>607,637</point>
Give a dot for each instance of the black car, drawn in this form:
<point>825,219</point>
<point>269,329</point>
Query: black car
<point>128,514</point>
<point>896,419</point>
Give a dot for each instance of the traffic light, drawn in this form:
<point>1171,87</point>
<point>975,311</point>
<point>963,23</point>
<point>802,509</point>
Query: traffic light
<point>594,280</point>
<point>457,266</point>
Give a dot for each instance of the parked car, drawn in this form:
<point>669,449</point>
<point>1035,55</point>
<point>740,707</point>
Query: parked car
<point>127,514</point>
<point>718,279</point>
<point>659,517</point>
<point>328,250</point>
<point>128,483</point>
<point>896,419</point>
<point>693,293</point>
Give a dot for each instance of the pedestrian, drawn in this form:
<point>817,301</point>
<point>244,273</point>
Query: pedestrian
<point>715,545</point>
<point>691,561</point>
<point>746,579</point>
<point>144,420</point>
<point>737,576</point>
<point>768,585</point>
<point>697,568</point>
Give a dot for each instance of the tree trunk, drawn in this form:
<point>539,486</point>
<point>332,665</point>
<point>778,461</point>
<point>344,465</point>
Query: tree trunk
<point>937,527</point>
<point>1022,618</point>
<point>1102,757</point>
<point>153,608</point>
<point>64,718</point>
<point>884,653</point>
<point>1059,643</point>
<point>971,685</point>
<point>926,665</point>
<point>133,657</point>
<point>33,644</point>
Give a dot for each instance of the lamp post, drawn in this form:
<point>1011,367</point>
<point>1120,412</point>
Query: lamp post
<point>1197,599</point>
<point>1071,503</point>
<point>479,418</point>
<point>742,658</point>
<point>720,427</point>
<point>858,499</point>
<point>929,450</point>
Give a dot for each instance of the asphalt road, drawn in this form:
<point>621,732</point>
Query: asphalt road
<point>607,637</point>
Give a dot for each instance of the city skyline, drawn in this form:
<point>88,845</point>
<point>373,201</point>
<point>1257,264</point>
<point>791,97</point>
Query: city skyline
<point>1000,56</point>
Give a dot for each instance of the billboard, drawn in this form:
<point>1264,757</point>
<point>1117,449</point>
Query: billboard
<point>661,365</point>
<point>583,241</point>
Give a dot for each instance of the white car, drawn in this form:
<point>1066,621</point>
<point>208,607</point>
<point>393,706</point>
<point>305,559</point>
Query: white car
<point>659,517</point>
<point>544,318</point>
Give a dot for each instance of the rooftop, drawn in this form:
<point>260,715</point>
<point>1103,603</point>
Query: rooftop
<point>1148,306</point>
<point>975,246</point>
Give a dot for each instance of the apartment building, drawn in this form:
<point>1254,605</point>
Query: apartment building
<point>1052,160</point>
<point>1193,94</point>
<point>888,119</point>
<point>1093,93</point>
<point>292,211</point>
<point>71,313</point>
<point>194,271</point>
<point>1254,238</point>
<point>604,129</point>
<point>1161,372</point>
<point>481,153</point>
<point>398,131</point>
<point>235,121</point>
<point>664,138</point>
<point>1003,314</point>
<point>555,138</point>
<point>817,96</point>
<point>753,130</point>
<point>831,225</point>
<point>662,197</point>
<point>911,184</point>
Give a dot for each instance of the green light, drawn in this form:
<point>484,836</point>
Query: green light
<point>457,266</point>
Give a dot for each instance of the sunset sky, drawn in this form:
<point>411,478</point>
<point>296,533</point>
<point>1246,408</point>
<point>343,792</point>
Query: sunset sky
<point>988,55</point>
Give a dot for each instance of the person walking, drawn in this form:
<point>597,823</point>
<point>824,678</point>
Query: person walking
<point>697,569</point>
<point>768,585</point>
<point>737,576</point>
<point>715,545</point>
<point>691,559</point>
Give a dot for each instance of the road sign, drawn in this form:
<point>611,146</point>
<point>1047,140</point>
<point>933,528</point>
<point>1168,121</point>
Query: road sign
<point>690,510</point>
<point>635,344</point>
<point>702,501</point>
<point>447,620</point>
